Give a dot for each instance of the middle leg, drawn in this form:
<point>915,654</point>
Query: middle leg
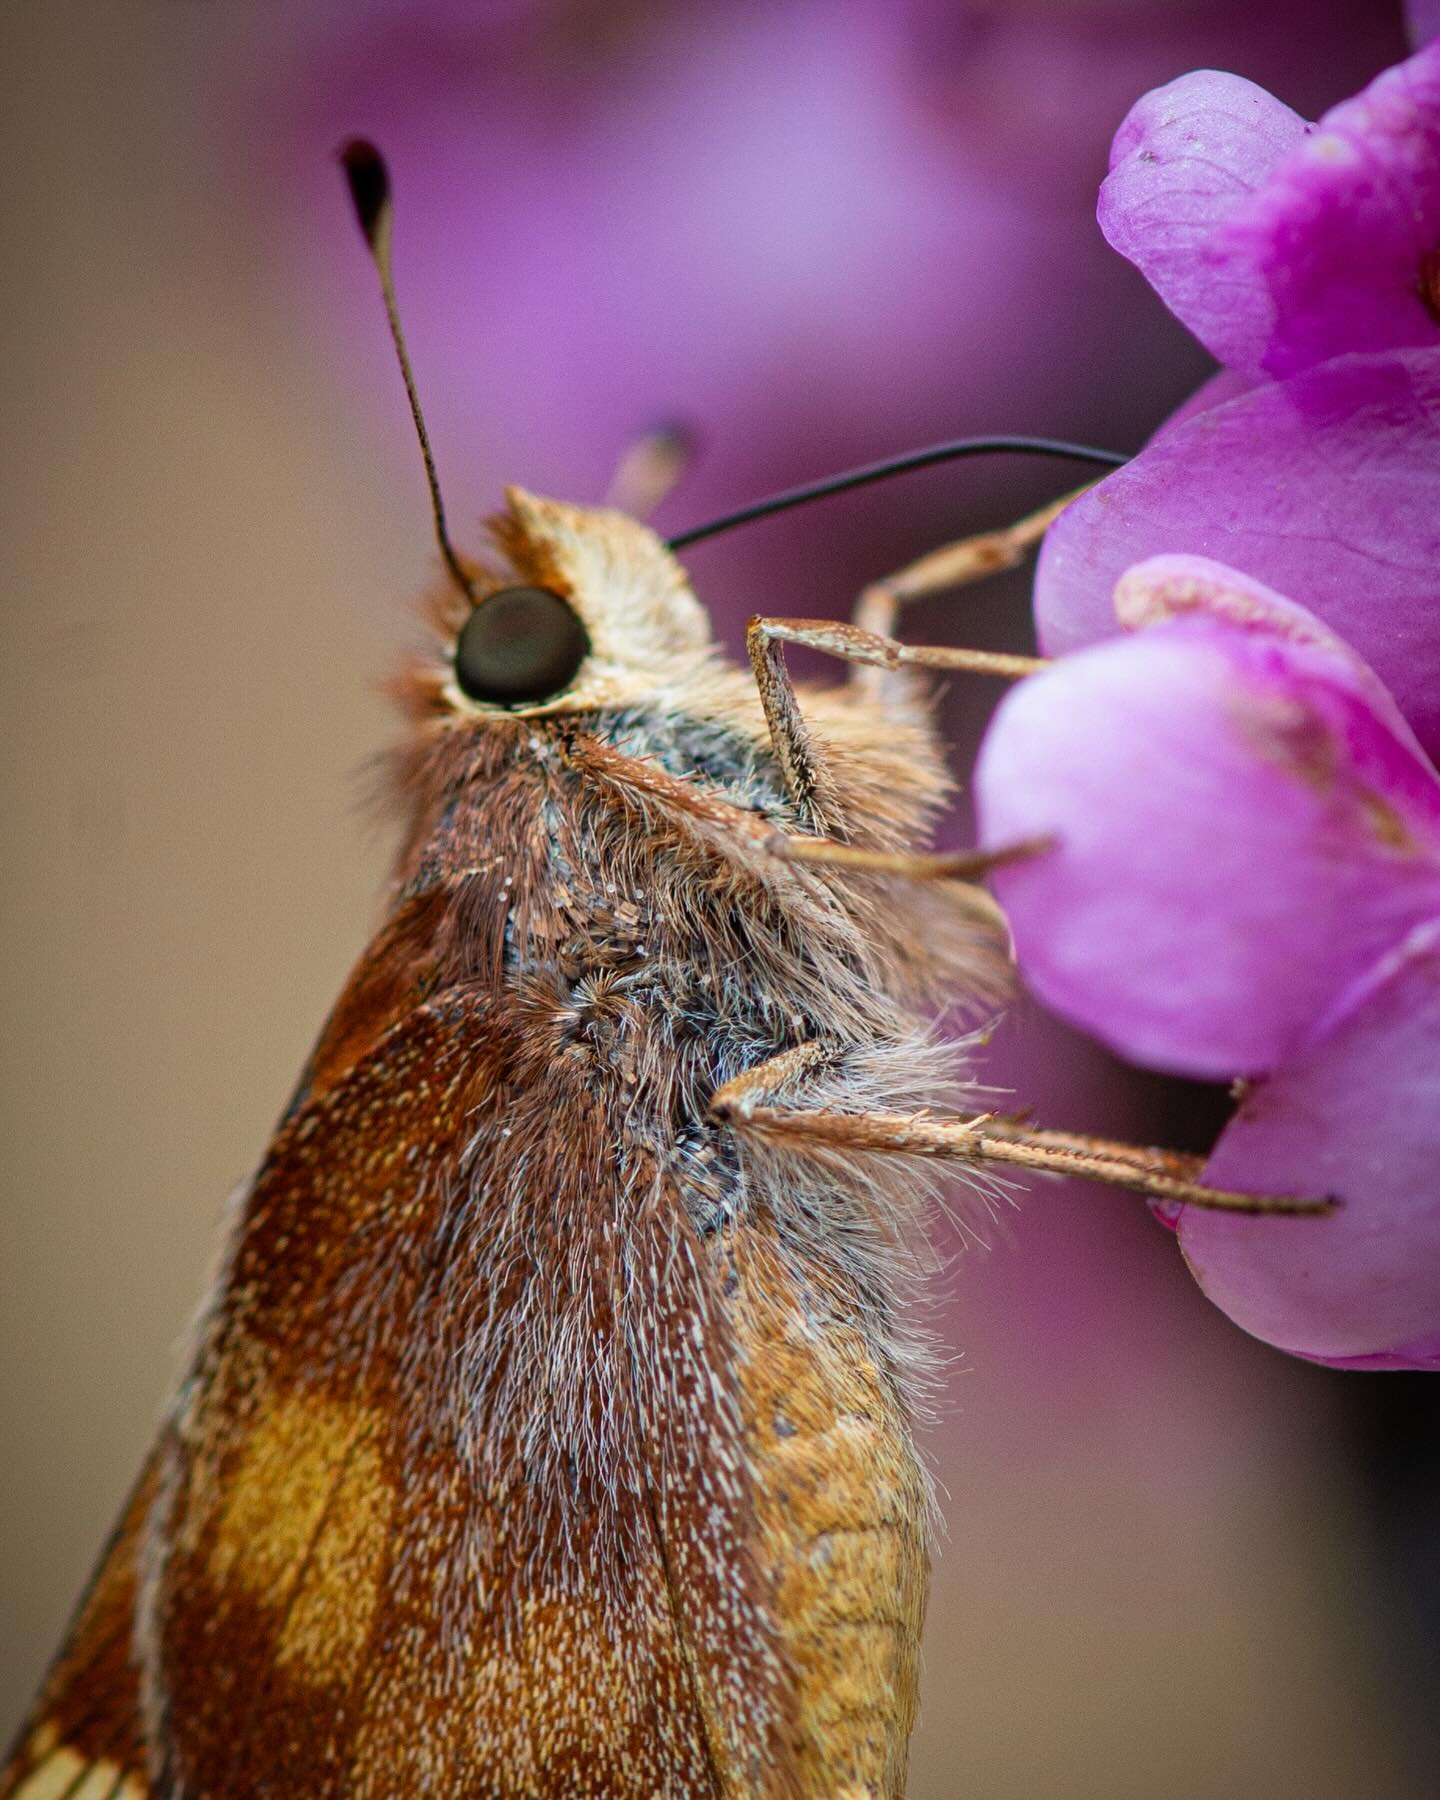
<point>753,1103</point>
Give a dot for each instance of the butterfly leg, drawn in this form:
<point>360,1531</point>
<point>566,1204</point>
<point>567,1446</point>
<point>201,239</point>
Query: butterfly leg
<point>954,565</point>
<point>854,644</point>
<point>986,1140</point>
<point>802,758</point>
<point>753,840</point>
<point>868,644</point>
<point>945,865</point>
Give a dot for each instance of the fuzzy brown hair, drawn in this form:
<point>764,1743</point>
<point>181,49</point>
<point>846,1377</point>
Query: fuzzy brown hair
<point>548,1435</point>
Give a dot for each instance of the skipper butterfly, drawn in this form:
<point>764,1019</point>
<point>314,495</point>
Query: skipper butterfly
<point>549,1429</point>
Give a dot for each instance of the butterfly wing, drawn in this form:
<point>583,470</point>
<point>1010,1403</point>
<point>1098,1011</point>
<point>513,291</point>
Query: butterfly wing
<point>496,1471</point>
<point>85,1734</point>
<point>447,1502</point>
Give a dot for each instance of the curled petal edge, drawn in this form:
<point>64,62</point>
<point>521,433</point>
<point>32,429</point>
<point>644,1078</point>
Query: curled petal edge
<point>1356,1113</point>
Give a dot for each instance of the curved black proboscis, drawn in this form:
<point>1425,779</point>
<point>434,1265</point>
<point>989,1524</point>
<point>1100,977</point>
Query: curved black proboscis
<point>896,465</point>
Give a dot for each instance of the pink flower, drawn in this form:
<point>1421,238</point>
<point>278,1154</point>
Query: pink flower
<point>1281,244</point>
<point>1308,259</point>
<point>1323,486</point>
<point>1246,881</point>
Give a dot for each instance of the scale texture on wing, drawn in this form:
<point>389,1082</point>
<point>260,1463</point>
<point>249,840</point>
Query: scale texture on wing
<point>410,1530</point>
<point>544,1438</point>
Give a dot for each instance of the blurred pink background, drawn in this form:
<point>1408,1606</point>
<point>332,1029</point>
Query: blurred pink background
<point>823,232</point>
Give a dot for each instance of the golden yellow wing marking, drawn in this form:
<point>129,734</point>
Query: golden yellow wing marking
<point>842,1507</point>
<point>59,1773</point>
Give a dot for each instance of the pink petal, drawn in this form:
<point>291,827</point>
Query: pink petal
<point>1324,487</point>
<point>1344,236</point>
<point>1356,1114</point>
<point>1179,587</point>
<point>1187,155</point>
<point>1225,384</point>
<point>1423,1353</point>
<point>1238,836</point>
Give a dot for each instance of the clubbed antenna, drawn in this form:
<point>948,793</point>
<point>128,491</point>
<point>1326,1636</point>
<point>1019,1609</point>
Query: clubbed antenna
<point>369,181</point>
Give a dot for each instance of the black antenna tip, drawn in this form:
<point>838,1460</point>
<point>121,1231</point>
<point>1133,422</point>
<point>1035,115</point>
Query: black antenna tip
<point>369,180</point>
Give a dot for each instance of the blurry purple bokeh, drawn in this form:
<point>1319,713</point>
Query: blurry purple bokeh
<point>827,232</point>
<point>819,231</point>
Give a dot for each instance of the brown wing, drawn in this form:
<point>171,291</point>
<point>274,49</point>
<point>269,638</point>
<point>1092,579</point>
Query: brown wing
<point>842,1514</point>
<point>497,1475</point>
<point>84,1738</point>
<point>456,1498</point>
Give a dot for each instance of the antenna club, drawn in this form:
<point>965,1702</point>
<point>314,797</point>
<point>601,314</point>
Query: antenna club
<point>369,181</point>
<point>370,191</point>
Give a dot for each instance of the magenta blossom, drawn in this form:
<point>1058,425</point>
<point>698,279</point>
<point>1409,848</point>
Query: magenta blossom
<point>1246,882</point>
<point>1279,243</point>
<point>1323,485</point>
<point>1308,259</point>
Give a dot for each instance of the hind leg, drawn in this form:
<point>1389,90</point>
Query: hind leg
<point>954,565</point>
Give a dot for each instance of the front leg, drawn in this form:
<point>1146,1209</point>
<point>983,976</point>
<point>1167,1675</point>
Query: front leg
<point>868,645</point>
<point>955,565</point>
<point>869,649</point>
<point>803,767</point>
<point>802,758</point>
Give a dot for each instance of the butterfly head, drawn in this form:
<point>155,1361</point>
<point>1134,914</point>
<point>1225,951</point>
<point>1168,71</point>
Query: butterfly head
<point>589,610</point>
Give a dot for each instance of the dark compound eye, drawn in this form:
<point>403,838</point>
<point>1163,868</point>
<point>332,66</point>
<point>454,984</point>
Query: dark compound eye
<point>520,645</point>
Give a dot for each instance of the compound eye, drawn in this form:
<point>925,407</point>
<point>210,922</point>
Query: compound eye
<point>520,645</point>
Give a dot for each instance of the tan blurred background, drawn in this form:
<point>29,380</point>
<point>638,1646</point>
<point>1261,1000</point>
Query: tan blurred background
<point>1152,1586</point>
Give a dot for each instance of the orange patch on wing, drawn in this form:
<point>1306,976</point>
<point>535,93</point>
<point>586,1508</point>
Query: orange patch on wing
<point>842,1506</point>
<point>328,1625</point>
<point>304,1527</point>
